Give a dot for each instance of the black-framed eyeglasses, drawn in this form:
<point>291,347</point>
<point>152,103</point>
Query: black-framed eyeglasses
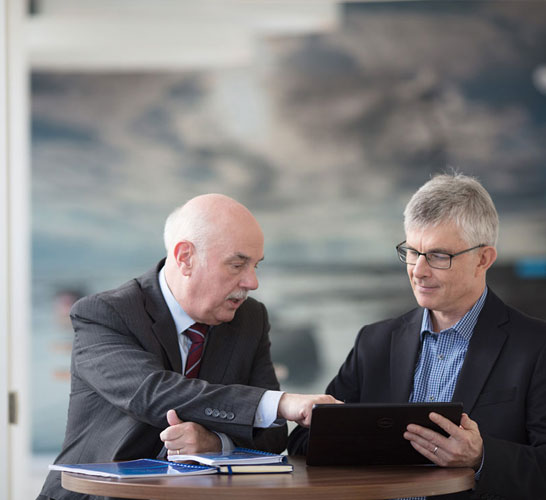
<point>437,260</point>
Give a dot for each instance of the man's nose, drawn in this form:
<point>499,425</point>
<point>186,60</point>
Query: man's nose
<point>421,267</point>
<point>250,280</point>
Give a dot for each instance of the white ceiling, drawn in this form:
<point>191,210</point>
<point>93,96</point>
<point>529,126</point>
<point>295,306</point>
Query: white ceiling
<point>128,35</point>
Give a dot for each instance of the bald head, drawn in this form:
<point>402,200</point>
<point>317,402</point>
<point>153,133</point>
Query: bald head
<point>204,220</point>
<point>214,245</point>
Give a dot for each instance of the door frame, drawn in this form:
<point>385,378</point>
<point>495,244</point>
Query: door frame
<point>15,307</point>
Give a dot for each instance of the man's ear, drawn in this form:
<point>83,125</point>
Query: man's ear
<point>184,254</point>
<point>488,255</point>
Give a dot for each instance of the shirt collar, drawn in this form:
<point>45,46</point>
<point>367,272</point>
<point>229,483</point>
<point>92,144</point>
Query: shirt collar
<point>181,320</point>
<point>464,327</point>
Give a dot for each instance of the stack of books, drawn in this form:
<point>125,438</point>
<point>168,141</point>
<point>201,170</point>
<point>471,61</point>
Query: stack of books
<point>238,461</point>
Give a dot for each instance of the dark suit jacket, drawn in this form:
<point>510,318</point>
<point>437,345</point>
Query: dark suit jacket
<point>502,385</point>
<point>125,375</point>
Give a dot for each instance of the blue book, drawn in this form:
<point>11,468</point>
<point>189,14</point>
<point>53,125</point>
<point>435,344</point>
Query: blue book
<point>238,456</point>
<point>135,469</point>
<point>278,468</point>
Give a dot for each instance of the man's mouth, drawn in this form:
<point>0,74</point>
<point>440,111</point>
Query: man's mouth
<point>237,298</point>
<point>423,287</point>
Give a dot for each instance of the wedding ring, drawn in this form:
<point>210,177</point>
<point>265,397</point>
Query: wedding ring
<point>178,451</point>
<point>435,450</point>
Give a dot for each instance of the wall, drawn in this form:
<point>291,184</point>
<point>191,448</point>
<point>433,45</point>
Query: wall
<point>324,136</point>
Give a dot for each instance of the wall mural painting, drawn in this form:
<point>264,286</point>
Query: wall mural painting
<point>324,137</point>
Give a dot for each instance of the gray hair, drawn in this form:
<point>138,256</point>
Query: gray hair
<point>188,225</point>
<point>458,198</point>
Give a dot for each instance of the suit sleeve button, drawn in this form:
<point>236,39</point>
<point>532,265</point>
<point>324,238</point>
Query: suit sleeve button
<point>215,413</point>
<point>208,412</point>
<point>230,415</point>
<point>223,414</point>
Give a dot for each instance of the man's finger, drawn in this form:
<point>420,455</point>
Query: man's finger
<point>172,418</point>
<point>468,424</point>
<point>424,433</point>
<point>428,442</point>
<point>443,422</point>
<point>169,434</point>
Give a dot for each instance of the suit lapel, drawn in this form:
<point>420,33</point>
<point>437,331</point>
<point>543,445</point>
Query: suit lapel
<point>404,351</point>
<point>484,348</point>
<point>163,325</point>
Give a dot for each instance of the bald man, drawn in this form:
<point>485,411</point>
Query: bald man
<point>141,383</point>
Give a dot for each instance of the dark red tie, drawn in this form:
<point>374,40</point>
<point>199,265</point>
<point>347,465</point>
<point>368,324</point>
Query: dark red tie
<point>196,333</point>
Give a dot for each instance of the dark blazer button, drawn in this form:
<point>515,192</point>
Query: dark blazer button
<point>223,414</point>
<point>215,413</point>
<point>230,415</point>
<point>208,412</point>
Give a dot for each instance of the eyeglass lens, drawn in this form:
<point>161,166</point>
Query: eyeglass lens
<point>435,259</point>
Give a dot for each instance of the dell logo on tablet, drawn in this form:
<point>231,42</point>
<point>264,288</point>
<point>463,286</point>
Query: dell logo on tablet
<point>385,422</point>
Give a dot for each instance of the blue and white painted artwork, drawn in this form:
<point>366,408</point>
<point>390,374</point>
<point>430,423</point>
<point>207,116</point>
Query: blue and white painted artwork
<point>324,137</point>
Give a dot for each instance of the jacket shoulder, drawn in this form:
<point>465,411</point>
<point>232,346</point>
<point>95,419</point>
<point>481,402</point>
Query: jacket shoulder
<point>390,324</point>
<point>123,294</point>
<point>512,320</point>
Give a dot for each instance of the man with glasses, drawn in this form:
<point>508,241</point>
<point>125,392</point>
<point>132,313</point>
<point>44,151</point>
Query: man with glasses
<point>462,344</point>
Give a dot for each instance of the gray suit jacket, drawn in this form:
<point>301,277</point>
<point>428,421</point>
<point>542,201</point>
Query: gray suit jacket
<point>502,385</point>
<point>125,375</point>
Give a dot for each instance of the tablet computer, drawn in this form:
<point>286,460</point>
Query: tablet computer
<point>370,433</point>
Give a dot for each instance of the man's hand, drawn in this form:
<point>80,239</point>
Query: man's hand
<point>297,407</point>
<point>463,447</point>
<point>188,437</point>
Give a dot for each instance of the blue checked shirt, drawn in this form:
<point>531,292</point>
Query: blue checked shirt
<point>442,356</point>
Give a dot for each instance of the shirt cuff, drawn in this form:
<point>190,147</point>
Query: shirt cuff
<point>266,413</point>
<point>227,444</point>
<point>479,471</point>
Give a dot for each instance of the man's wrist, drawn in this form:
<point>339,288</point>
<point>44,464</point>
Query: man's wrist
<point>267,411</point>
<point>226,443</point>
